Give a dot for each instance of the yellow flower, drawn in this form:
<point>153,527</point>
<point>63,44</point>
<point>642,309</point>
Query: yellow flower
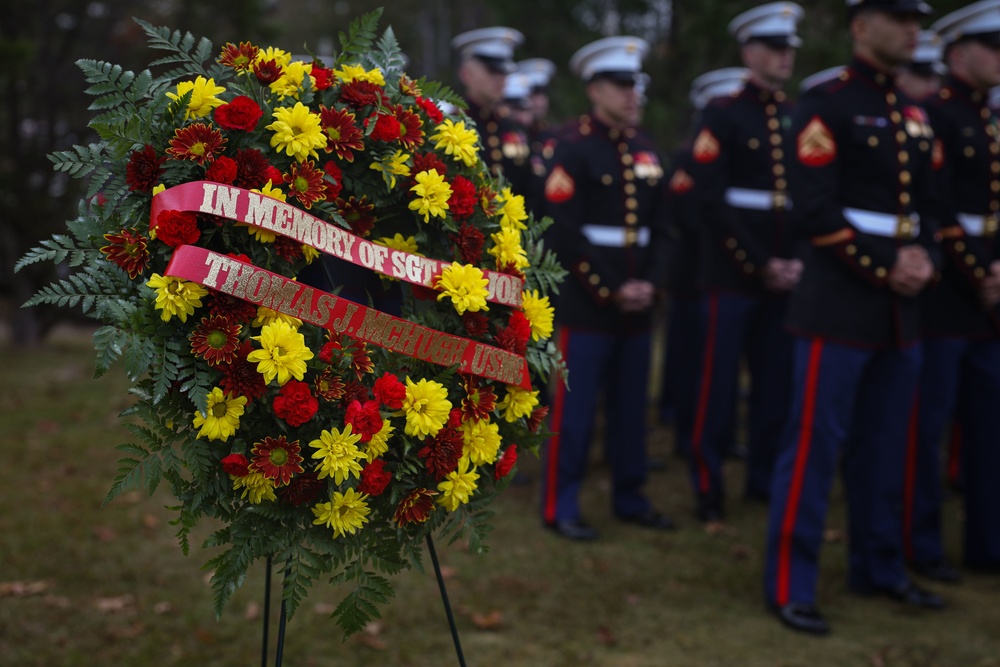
<point>256,487</point>
<point>157,189</point>
<point>426,407</point>
<point>518,403</point>
<point>379,444</point>
<point>458,141</point>
<point>292,80</point>
<point>175,296</point>
<point>399,242</point>
<point>507,248</point>
<point>309,253</point>
<point>283,354</point>
<point>458,486</point>
<point>392,167</point>
<point>432,194</point>
<point>203,96</point>
<point>465,286</point>
<point>222,415</point>
<point>279,56</point>
<point>266,316</point>
<point>349,73</point>
<point>539,312</point>
<point>481,441</point>
<point>345,513</point>
<point>298,132</point>
<point>512,210</point>
<point>264,235</point>
<point>338,453</point>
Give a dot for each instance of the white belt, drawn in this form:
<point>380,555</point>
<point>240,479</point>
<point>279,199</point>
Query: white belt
<point>883,224</point>
<point>757,200</point>
<point>978,225</point>
<point>616,237</point>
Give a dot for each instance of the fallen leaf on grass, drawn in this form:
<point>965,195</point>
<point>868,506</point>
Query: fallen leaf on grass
<point>115,604</point>
<point>606,636</point>
<point>20,589</point>
<point>491,621</point>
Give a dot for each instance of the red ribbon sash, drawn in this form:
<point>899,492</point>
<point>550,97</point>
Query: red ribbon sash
<point>271,290</point>
<point>276,216</point>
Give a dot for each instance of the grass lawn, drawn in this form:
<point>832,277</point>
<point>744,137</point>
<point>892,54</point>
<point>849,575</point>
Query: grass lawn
<point>86,585</point>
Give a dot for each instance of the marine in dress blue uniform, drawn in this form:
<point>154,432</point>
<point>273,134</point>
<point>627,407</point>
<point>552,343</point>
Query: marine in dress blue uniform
<point>746,262</point>
<point>861,183</point>
<point>920,78</point>
<point>606,195</point>
<point>961,372</point>
<point>541,134</point>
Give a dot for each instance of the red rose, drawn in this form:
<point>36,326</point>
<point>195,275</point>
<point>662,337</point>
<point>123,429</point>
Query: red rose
<point>374,478</point>
<point>222,170</point>
<point>177,228</point>
<point>143,169</point>
<point>240,114</point>
<point>431,109</point>
<point>295,403</point>
<point>236,465</point>
<point>463,199</point>
<point>386,128</point>
<point>364,419</point>
<point>506,463</point>
<point>390,392</point>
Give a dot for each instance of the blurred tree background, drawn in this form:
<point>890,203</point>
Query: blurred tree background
<point>44,109</point>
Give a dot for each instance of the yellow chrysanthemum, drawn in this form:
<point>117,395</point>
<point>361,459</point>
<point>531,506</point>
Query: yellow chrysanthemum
<point>283,353</point>
<point>175,296</point>
<point>222,415</point>
<point>309,253</point>
<point>346,512</point>
<point>203,96</point>
<point>512,211</point>
<point>266,316</point>
<point>264,235</point>
<point>518,403</point>
<point>256,487</point>
<point>507,248</point>
<point>400,242</point>
<point>465,285</point>
<point>426,407</point>
<point>157,189</point>
<point>349,73</point>
<point>458,141</point>
<point>280,56</point>
<point>298,132</point>
<point>338,453</point>
<point>458,487</point>
<point>432,194</point>
<point>539,312</point>
<point>392,166</point>
<point>481,441</point>
<point>292,80</point>
<point>379,444</point>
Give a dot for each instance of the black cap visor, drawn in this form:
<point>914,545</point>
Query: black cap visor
<point>496,65</point>
<point>777,42</point>
<point>617,77</point>
<point>915,7</point>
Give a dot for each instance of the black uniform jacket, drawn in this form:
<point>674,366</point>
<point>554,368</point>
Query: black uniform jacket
<point>684,217</point>
<point>505,147</point>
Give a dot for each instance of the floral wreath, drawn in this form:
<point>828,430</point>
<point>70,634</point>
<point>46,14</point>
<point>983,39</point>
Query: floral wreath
<point>325,434</point>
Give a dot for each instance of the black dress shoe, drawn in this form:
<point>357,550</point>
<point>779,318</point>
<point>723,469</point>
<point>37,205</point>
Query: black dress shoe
<point>709,509</point>
<point>573,529</point>
<point>804,618</point>
<point>650,519</point>
<point>939,570</point>
<point>912,595</point>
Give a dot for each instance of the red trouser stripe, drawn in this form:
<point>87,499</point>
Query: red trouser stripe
<point>559,401</point>
<point>704,394</point>
<point>798,475</point>
<point>910,479</point>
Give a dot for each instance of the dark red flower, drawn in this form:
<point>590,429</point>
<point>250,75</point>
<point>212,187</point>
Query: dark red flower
<point>469,241</point>
<point>506,463</point>
<point>198,142</point>
<point>360,94</point>
<point>428,161</point>
<point>305,183</point>
<point>390,392</point>
<point>442,452</point>
<point>479,401</point>
<point>432,110</point>
<point>334,179</point>
<point>386,127</point>
<point>236,465</point>
<point>538,415</point>
<point>251,169</point>
<point>233,309</point>
<point>216,340</point>
<point>416,507</point>
<point>374,478</point>
<point>463,200</point>
<point>223,170</point>
<point>421,293</point>
<point>127,249</point>
<point>361,361</point>
<point>343,135</point>
<point>304,489</point>
<point>508,340</point>
<point>410,133</point>
<point>520,325</point>
<point>240,378</point>
<point>358,213</point>
<point>328,385</point>
<point>277,459</point>
<point>240,114</point>
<point>240,58</point>
<point>267,71</point>
<point>476,324</point>
<point>144,169</point>
<point>329,349</point>
<point>295,403</point>
<point>176,228</point>
<point>354,391</point>
<point>364,419</point>
<point>288,249</point>
<point>514,337</point>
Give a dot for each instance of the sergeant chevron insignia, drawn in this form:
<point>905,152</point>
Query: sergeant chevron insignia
<point>816,145</point>
<point>559,186</point>
<point>706,147</point>
<point>681,182</point>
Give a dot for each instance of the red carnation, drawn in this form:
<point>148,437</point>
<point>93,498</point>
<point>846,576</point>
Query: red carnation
<point>386,127</point>
<point>374,478</point>
<point>327,351</point>
<point>176,228</point>
<point>463,199</point>
<point>144,169</point>
<point>240,114</point>
<point>364,418</point>
<point>274,175</point>
<point>334,179</point>
<point>236,465</point>
<point>442,452</point>
<point>295,403</point>
<point>520,326</point>
<point>390,392</point>
<point>222,170</point>
<point>322,77</point>
<point>431,109</point>
<point>506,463</point>
<point>476,324</point>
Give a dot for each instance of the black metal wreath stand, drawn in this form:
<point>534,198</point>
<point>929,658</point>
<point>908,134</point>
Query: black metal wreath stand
<point>283,616</point>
